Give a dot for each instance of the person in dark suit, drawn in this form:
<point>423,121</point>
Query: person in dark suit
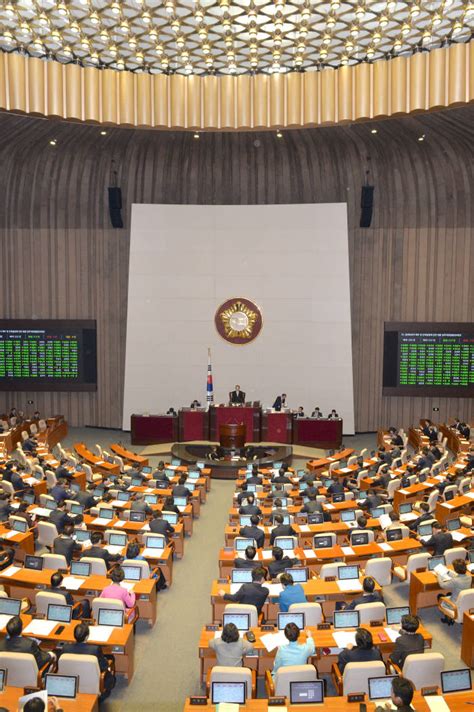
<point>396,438</point>
<point>373,499</point>
<point>336,486</point>
<point>382,479</point>
<point>85,498</point>
<point>465,431</point>
<point>253,594</point>
<point>409,642</point>
<point>96,551</point>
<point>362,652</point>
<point>402,695</point>
<point>140,505</point>
<point>82,647</point>
<point>60,491</point>
<point>281,478</point>
<point>62,471</point>
<point>333,415</point>
<point>253,532</point>
<point>82,611</point>
<point>249,562</point>
<point>312,506</point>
<point>243,494</point>
<point>237,396</point>
<point>280,402</point>
<point>59,517</point>
<point>300,412</point>
<point>440,540</point>
<point>280,562</point>
<point>170,506</point>
<point>29,445</point>
<point>255,478</point>
<point>317,412</point>
<point>370,595</point>
<point>64,544</point>
<point>424,517</point>
<point>16,643</point>
<point>250,507</point>
<point>22,512</point>
<point>180,490</point>
<point>158,525</point>
<point>5,507</point>
<point>281,529</point>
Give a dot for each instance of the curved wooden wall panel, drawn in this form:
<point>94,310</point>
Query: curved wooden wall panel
<point>60,258</point>
<point>385,88</point>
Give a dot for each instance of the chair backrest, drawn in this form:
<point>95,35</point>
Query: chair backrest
<point>457,552</point>
<point>44,497</point>
<point>98,566</point>
<point>47,533</point>
<point>51,479</point>
<point>33,428</point>
<point>352,460</point>
<point>432,499</point>
<point>313,613</point>
<point>424,669</point>
<point>54,561</point>
<point>44,598</point>
<point>330,570</point>
<point>292,673</point>
<point>144,566</point>
<point>380,569</point>
<point>86,667</point>
<point>22,670</point>
<point>464,602</point>
<point>374,611</point>
<point>222,673</point>
<point>99,602</point>
<point>369,532</point>
<point>417,561</point>
<point>356,676</point>
<point>293,538</point>
<point>42,425</point>
<point>69,503</point>
<point>98,449</point>
<point>24,435</point>
<point>7,487</point>
<point>88,470</point>
<point>244,608</point>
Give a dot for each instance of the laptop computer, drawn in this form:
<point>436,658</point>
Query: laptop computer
<point>405,508</point>
<point>20,526</point>
<point>359,538</point>
<point>170,517</point>
<point>242,543</point>
<point>316,518</point>
<point>348,515</point>
<point>3,679</point>
<point>77,508</point>
<point>230,692</point>
<point>61,685</point>
<point>151,498</point>
<point>338,497</point>
<point>348,572</point>
<point>132,573</point>
<point>240,620</point>
<point>377,512</point>
<point>176,462</point>
<point>284,618</point>
<point>80,568</point>
<point>299,574</point>
<point>346,619</point>
<point>286,519</point>
<point>453,524</point>
<point>34,562</point>
<point>380,689</point>
<point>29,498</point>
<point>61,614</point>
<point>51,504</point>
<point>456,680</point>
<point>394,534</point>
<point>449,495</point>
<point>306,692</point>
<point>137,516</point>
<point>285,542</point>
<point>123,496</point>
<point>155,542</point>
<point>82,535</point>
<point>10,606</point>
<point>110,616</point>
<point>241,576</point>
<point>395,614</point>
<point>322,542</point>
<point>425,530</point>
<point>244,520</point>
<point>146,470</point>
<point>106,513</point>
<point>118,539</point>
<point>433,561</point>
<point>180,501</point>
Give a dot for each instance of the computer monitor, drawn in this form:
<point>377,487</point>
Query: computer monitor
<point>348,515</point>
<point>453,524</point>
<point>110,616</point>
<point>80,568</point>
<point>298,573</point>
<point>161,484</point>
<point>99,491</point>
<point>449,495</point>
<point>405,508</point>
<point>433,561</point>
<point>244,520</point>
<point>380,688</point>
<point>29,498</point>
<point>176,462</point>
<point>137,516</point>
<point>190,487</point>
<point>251,488</point>
<point>180,501</point>
<point>241,575</point>
<point>61,614</point>
<point>118,539</point>
<point>395,614</point>
<point>322,542</point>
<point>146,470</point>
<point>10,606</point>
<point>277,465</point>
<point>316,518</point>
<point>338,497</point>
<point>360,538</point>
<point>456,680</point>
<point>155,542</point>
<point>20,525</point>
<point>170,517</point>
<point>394,534</point>
<point>240,620</point>
<point>303,486</point>
<point>123,496</point>
<point>132,573</point>
<point>61,685</point>
<point>346,619</point>
<point>51,504</point>
<point>151,498</point>
<point>77,508</point>
<point>307,692</point>
<point>243,542</point>
<point>425,530</point>
<point>230,692</point>
<point>201,465</point>
<point>136,482</point>
<point>82,535</point>
<point>3,679</point>
<point>286,543</point>
<point>285,618</point>
<point>34,562</point>
<point>422,478</point>
<point>377,512</point>
<point>348,572</point>
<point>106,513</point>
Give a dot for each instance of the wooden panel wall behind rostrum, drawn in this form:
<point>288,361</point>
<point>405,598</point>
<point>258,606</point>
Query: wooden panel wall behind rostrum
<point>60,258</point>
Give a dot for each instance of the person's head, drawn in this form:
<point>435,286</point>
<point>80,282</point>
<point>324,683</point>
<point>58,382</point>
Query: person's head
<point>363,639</point>
<point>22,507</point>
<point>61,505</point>
<point>35,704</point>
<point>424,507</point>
<point>81,632</point>
<point>394,516</point>
<point>283,395</point>
<point>460,567</point>
<point>292,632</point>
<point>157,514</point>
<point>361,521</point>
<point>56,580</point>
<point>402,691</point>
<point>230,633</point>
<point>286,580</point>
<point>278,519</point>
<point>312,497</point>
<point>62,482</point>
<point>255,520</point>
<point>281,471</point>
<point>161,465</point>
<point>254,469</point>
<point>437,527</point>
<point>117,574</point>
<point>250,499</point>
<point>277,553</point>
<point>410,624</point>
<point>243,487</point>
<point>258,575</point>
<point>300,409</point>
<point>277,502</point>
<point>237,387</point>
<point>68,528</point>
<point>96,538</point>
<point>132,550</point>
<point>169,502</point>
<point>14,627</point>
<point>250,553</point>
<point>368,584</point>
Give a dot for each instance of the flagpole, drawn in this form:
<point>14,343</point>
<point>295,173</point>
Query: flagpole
<point>210,384</point>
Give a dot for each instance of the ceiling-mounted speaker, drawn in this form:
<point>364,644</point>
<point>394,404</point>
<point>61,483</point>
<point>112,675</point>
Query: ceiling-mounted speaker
<point>115,206</point>
<point>366,205</point>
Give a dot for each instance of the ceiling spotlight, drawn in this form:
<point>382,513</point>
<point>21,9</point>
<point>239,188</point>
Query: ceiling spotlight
<point>53,142</point>
<point>196,134</point>
<point>103,133</point>
<point>421,138</point>
<point>374,131</point>
<point>279,134</point>
<point>169,6</point>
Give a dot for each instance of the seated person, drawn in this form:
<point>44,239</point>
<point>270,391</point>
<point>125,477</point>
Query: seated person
<point>158,525</point>
<point>249,562</point>
<point>333,415</point>
<point>7,554</point>
<point>292,593</point>
<point>59,517</point>
<point>139,504</point>
<point>255,478</point>
<point>294,653</point>
<point>280,529</point>
<point>336,486</point>
<point>253,594</point>
<point>159,473</point>
<point>362,652</point>
<point>402,695</point>
<point>14,642</point>
<point>395,437</point>
<point>65,545</point>
<point>60,491</point>
<point>133,552</point>
<point>180,490</point>
<point>250,507</point>
<point>86,498</point>
<point>170,506</point>
<point>300,412</point>
<point>280,562</point>
<point>373,499</point>
<point>115,590</point>
<point>82,647</point>
<point>317,412</point>
<point>97,551</point>
<point>409,642</point>
<point>252,531</point>
<point>370,595</point>
<point>440,539</point>
<point>277,507</point>
<point>383,478</point>
<point>82,611</point>
<point>30,444</point>
<point>424,517</point>
<point>243,494</point>
<point>5,507</point>
<point>230,648</point>
<point>62,471</point>
<point>312,505</point>
<point>454,582</point>
<point>281,478</point>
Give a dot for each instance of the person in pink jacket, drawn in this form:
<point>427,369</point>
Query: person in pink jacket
<point>115,590</point>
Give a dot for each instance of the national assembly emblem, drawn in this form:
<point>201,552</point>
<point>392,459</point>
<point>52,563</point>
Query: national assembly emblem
<point>238,321</point>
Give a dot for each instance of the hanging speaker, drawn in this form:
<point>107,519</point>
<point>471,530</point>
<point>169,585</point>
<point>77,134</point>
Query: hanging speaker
<point>115,206</point>
<point>366,205</point>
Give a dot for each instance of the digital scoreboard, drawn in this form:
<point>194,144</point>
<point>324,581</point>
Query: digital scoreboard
<point>39,355</point>
<point>429,359</point>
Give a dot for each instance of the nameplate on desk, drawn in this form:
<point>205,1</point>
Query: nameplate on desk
<point>426,691</point>
<point>198,700</point>
<point>323,626</point>
<point>267,627</point>
<point>212,627</point>
<point>276,701</point>
<point>376,624</point>
<point>356,697</point>
<point>222,580</point>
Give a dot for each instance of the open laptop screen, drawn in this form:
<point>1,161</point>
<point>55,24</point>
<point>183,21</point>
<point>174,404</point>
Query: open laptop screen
<point>394,615</point>
<point>346,619</point>
<point>299,575</point>
<point>132,573</point>
<point>456,680</point>
<point>61,685</point>
<point>306,693</point>
<point>380,688</point>
<point>80,568</point>
<point>241,576</point>
<point>240,620</point>
<point>285,618</point>
<point>61,614</point>
<point>3,679</point>
<point>347,572</point>
<point>33,562</point>
<point>10,607</point>
<point>230,692</point>
<point>110,616</point>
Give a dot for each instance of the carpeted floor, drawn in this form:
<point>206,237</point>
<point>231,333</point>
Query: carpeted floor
<point>166,658</point>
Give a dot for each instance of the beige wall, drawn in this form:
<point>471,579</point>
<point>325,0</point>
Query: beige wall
<point>59,258</point>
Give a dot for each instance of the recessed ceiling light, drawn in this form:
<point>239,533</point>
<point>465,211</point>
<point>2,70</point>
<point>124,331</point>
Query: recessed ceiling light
<point>53,142</point>
<point>421,138</point>
<point>103,133</point>
<point>279,134</point>
<point>374,131</point>
<point>196,134</point>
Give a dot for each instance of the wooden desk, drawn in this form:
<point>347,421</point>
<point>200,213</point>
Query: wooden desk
<point>448,510</point>
<point>455,442</point>
<point>416,438</point>
<point>323,462</point>
<point>467,641</point>
<point>317,432</point>
<point>413,493</point>
<point>107,468</point>
<point>231,415</point>
<point>130,457</point>
<point>148,429</point>
<point>193,424</point>
<point>277,427</point>
<point>424,589</point>
<point>22,543</point>
<point>82,703</point>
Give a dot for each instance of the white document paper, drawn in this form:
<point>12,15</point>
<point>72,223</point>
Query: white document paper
<point>346,469</point>
<point>304,528</point>
<point>408,517</point>
<point>347,550</point>
<point>460,466</point>
<point>234,587</point>
<point>72,583</point>
<point>392,634</point>
<point>274,588</point>
<point>329,506</point>
<point>458,536</point>
<point>470,495</point>
<point>385,521</point>
<point>11,571</point>
<point>350,585</point>
<point>37,627</point>
<point>344,638</point>
<point>100,633</point>
<point>9,535</point>
<point>267,555</point>
<point>181,508</point>
<point>227,707</point>
<point>30,480</point>
<point>101,521</point>
<point>274,640</point>
<point>128,585</point>
<point>385,546</point>
<point>442,570</point>
<point>436,703</point>
<point>119,525</point>
<point>112,549</point>
<point>448,505</point>
<point>403,491</point>
<point>4,620</point>
<point>310,554</point>
<point>41,511</point>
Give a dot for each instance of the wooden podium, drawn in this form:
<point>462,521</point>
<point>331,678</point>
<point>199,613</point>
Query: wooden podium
<point>232,436</point>
<point>277,427</point>
<point>193,424</point>
<point>235,415</point>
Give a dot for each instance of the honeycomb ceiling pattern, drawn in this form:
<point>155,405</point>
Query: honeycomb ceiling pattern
<point>230,36</point>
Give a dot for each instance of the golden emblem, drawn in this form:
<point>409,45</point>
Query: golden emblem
<point>238,320</point>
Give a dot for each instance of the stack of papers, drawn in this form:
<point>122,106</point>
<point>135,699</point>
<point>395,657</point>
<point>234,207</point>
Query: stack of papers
<point>72,583</point>
<point>101,521</point>
<point>385,521</point>
<point>274,640</point>
<point>346,469</point>
<point>392,634</point>
<point>8,535</point>
<point>385,546</point>
<point>11,571</point>
<point>310,554</point>
<point>274,588</point>
<point>40,627</point>
<point>100,633</point>
<point>118,525</point>
<point>347,550</point>
<point>350,585</point>
<point>112,549</point>
<point>41,511</point>
<point>3,621</point>
<point>436,703</point>
<point>344,638</point>
<point>329,506</point>
<point>304,528</point>
<point>458,536</point>
<point>442,570</point>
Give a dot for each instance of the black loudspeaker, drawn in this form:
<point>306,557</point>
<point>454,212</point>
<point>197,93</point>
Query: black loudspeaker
<point>115,207</point>
<point>366,205</point>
